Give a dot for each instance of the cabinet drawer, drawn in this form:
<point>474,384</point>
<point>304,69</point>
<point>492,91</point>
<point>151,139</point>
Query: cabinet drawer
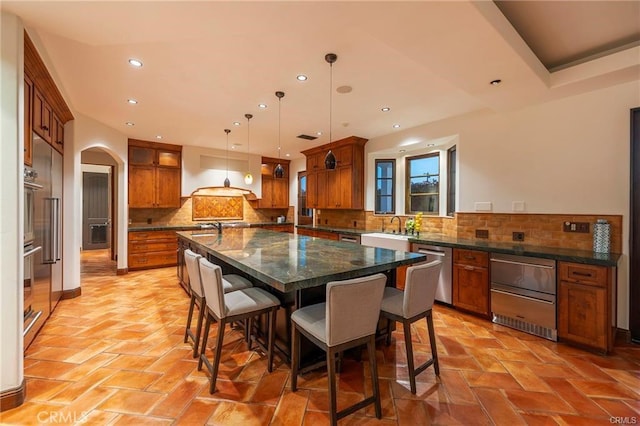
<point>152,235</point>
<point>153,260</point>
<point>471,258</point>
<point>583,274</point>
<point>151,246</point>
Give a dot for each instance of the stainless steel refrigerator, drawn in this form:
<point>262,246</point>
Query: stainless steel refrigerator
<point>46,283</point>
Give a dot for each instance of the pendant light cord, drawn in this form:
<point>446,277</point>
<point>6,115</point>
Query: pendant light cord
<point>330,102</point>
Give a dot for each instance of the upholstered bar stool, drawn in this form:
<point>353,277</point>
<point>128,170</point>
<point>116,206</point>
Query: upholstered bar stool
<point>346,320</point>
<point>411,305</point>
<point>230,282</point>
<point>228,307</point>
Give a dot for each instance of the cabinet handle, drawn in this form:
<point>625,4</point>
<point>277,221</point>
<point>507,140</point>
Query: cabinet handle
<point>44,128</point>
<point>469,268</point>
<point>469,257</point>
<point>582,274</point>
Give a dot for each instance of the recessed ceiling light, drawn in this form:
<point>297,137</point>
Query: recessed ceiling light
<point>132,101</point>
<point>263,106</point>
<point>431,144</point>
<point>344,89</point>
<point>236,123</point>
<point>159,137</point>
<point>395,126</point>
<point>287,155</point>
<point>496,82</point>
<point>135,62</point>
<point>319,133</point>
<point>402,150</point>
<point>129,123</point>
<point>385,109</point>
<point>302,77</point>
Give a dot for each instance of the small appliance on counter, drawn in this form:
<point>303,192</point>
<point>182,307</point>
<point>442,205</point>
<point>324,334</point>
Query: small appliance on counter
<point>281,219</point>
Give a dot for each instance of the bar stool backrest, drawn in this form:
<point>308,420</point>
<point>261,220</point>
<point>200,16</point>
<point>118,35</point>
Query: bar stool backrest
<point>212,285</point>
<point>193,269</point>
<point>420,288</point>
<point>353,308</point>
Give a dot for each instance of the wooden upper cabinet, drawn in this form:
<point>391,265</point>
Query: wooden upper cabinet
<point>57,133</point>
<point>155,175</point>
<point>41,115</point>
<point>28,118</point>
<point>343,187</point>
<point>275,191</point>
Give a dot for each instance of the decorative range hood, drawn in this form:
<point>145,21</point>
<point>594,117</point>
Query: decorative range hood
<point>219,202</point>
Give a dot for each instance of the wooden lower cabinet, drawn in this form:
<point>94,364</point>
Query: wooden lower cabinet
<point>152,249</point>
<point>586,305</point>
<point>279,228</point>
<point>318,233</point>
<point>471,281</point>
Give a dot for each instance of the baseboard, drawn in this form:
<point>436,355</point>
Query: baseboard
<point>13,398</point>
<point>71,294</point>
<point>123,271</point>
<point>623,336</point>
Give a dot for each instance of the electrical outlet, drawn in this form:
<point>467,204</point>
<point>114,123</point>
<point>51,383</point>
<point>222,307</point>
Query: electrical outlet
<point>582,227</point>
<point>518,236</point>
<point>355,224</point>
<point>482,233</point>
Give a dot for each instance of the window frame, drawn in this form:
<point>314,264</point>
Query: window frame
<point>452,158</point>
<point>408,177</point>
<point>392,161</point>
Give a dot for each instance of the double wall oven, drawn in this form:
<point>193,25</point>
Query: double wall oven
<point>30,315</point>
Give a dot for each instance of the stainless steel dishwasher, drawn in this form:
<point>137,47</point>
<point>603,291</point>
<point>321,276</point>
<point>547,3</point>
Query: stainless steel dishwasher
<point>443,254</point>
<point>523,294</point>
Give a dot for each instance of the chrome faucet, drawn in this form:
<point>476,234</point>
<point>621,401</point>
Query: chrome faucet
<point>399,223</point>
<point>218,226</point>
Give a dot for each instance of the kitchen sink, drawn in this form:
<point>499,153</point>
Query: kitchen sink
<point>388,241</point>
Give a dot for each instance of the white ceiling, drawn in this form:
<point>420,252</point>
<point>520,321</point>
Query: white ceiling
<point>207,63</point>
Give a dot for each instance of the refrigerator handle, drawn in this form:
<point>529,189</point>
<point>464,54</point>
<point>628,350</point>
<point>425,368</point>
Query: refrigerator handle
<point>56,212</point>
<point>48,255</point>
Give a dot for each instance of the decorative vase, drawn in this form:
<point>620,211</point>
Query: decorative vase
<point>601,236</point>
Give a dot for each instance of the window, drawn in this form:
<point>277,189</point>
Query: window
<point>423,183</point>
<point>305,215</point>
<point>451,181</point>
<point>385,186</point>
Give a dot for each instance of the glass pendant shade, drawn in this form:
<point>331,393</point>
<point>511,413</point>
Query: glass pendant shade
<point>248,177</point>
<point>227,183</point>
<point>330,160</point>
<point>278,171</point>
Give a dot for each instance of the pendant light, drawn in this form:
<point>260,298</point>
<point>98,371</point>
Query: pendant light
<point>248,178</point>
<point>278,172</point>
<point>227,183</point>
<point>330,159</point>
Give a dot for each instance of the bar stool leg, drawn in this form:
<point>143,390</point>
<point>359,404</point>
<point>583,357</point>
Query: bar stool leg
<point>432,342</point>
<point>406,325</point>
<point>371,347</point>
<point>331,371</point>
<point>272,333</point>
<point>295,350</point>
<point>190,315</point>
<point>203,348</point>
<point>199,328</point>
<point>216,362</point>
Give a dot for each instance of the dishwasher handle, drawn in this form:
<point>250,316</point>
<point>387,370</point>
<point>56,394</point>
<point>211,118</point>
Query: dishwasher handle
<point>434,253</point>
<point>512,262</point>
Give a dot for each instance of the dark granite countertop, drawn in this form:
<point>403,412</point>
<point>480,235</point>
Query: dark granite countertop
<point>158,227</point>
<point>556,253</point>
<point>289,262</point>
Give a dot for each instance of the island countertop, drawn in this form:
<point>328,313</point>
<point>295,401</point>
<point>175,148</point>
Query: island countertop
<point>289,262</point>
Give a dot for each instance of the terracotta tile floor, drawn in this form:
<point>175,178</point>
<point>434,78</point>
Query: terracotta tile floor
<point>115,356</point>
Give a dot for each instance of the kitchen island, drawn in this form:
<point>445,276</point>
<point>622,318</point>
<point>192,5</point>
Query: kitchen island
<point>293,268</point>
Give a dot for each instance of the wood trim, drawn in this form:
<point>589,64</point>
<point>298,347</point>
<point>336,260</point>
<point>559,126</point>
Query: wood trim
<point>622,337</point>
<point>154,145</point>
<point>122,271</point>
<point>351,140</point>
<point>35,68</point>
<point>13,398</point>
<point>71,294</point>
<point>275,160</point>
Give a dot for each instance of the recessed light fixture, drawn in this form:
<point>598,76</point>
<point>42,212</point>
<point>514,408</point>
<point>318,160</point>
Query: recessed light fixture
<point>403,150</point>
<point>287,155</point>
<point>319,133</point>
<point>495,82</point>
<point>431,144</point>
<point>396,126</point>
<point>135,62</point>
<point>132,101</point>
<point>385,109</point>
<point>129,123</point>
<point>236,123</point>
<point>263,106</point>
<point>159,137</point>
<point>302,77</point>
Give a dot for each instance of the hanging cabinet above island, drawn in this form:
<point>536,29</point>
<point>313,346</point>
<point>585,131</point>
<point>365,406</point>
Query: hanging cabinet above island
<point>343,187</point>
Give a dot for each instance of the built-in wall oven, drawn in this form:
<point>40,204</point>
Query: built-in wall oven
<point>523,294</point>
<point>30,316</point>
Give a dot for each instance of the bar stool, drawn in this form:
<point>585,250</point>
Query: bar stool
<point>340,324</point>
<point>411,305</point>
<point>231,282</point>
<point>228,307</point>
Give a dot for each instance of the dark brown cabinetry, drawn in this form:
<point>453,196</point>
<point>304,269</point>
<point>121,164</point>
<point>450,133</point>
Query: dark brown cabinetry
<point>342,188</point>
<point>28,118</point>
<point>471,281</point>
<point>275,191</point>
<point>155,172</point>
<point>152,249</point>
<point>586,306</point>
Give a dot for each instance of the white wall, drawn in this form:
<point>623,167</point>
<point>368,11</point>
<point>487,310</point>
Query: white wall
<point>11,207</point>
<point>566,156</point>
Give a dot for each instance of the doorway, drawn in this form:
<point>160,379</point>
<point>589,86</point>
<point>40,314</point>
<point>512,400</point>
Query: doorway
<point>96,207</point>
<point>634,230</point>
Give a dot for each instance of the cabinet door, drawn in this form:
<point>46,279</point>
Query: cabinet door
<point>315,162</point>
<point>582,314</point>
<point>168,158</point>
<point>345,188</point>
<point>142,187</point>
<point>322,190</point>
<point>266,200</point>
<point>41,115</point>
<point>168,187</point>
<point>333,189</point>
<point>280,193</point>
<point>471,288</point>
<point>28,118</point>
<point>142,156</point>
<point>312,190</point>
<point>344,155</point>
<point>57,133</point>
